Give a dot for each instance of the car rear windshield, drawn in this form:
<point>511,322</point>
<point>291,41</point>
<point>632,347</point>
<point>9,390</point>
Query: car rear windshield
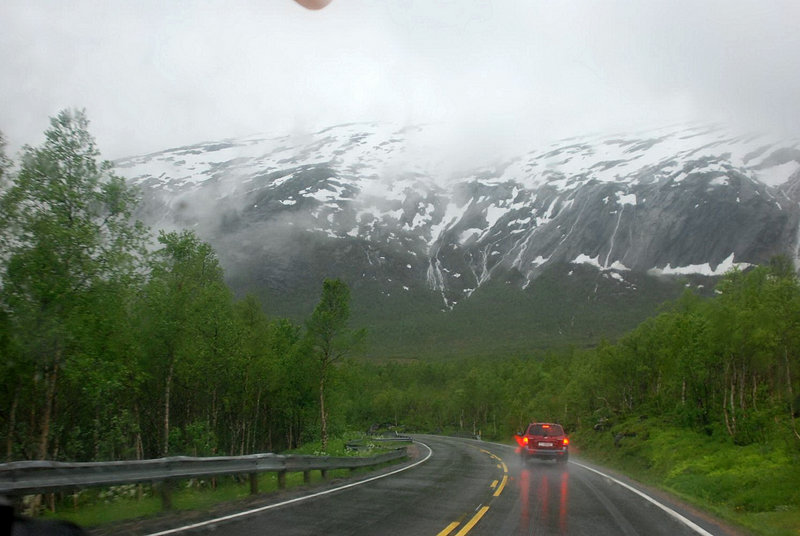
<point>546,430</point>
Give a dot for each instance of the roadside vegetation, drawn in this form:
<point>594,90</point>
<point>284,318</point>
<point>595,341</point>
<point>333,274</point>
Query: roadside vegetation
<point>107,509</point>
<point>120,344</point>
<point>752,485</point>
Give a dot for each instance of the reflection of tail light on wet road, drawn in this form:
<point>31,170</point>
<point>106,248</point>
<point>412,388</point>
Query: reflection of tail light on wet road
<point>544,500</point>
<point>562,503</point>
<point>524,486</point>
<point>542,490</point>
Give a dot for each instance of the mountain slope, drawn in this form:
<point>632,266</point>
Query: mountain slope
<point>429,248</point>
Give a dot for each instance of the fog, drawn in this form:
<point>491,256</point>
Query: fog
<point>495,76</point>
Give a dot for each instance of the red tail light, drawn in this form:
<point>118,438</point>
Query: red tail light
<point>565,442</point>
<point>525,440</point>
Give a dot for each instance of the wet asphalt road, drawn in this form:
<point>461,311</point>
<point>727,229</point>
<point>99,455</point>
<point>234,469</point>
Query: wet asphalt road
<point>476,488</point>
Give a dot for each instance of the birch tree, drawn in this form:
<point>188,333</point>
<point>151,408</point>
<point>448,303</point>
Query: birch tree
<point>66,228</point>
<point>331,338</point>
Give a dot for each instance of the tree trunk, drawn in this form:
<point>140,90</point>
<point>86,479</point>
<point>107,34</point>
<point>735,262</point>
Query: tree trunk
<point>214,413</point>
<point>50,396</point>
<point>742,388</point>
<point>791,392</point>
<point>32,417</point>
<point>323,417</point>
<point>96,433</point>
<point>733,402</point>
<point>731,427</point>
<point>683,392</point>
<point>729,400</point>
<point>167,388</point>
<point>138,436</point>
<point>254,429</point>
<point>12,421</point>
<point>725,413</point>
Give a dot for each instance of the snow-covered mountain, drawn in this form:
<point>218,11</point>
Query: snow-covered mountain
<point>367,202</point>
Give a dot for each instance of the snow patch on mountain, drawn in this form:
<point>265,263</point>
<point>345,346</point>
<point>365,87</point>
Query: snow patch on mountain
<point>669,201</point>
<point>701,269</point>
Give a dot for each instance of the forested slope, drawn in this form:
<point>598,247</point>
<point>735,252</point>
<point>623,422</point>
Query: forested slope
<point>119,344</point>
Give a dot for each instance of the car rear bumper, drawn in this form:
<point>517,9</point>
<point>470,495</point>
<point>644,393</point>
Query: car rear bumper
<point>545,453</point>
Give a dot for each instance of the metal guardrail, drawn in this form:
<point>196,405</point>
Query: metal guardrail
<point>398,438</point>
<point>365,444</point>
<point>33,477</point>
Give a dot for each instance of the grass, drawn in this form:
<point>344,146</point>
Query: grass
<point>756,486</point>
<point>102,506</point>
<point>100,513</point>
<point>189,495</point>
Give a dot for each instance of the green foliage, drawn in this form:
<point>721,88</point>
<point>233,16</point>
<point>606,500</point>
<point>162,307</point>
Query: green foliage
<point>755,485</point>
<point>112,351</point>
<point>701,398</point>
<point>330,339</point>
<point>68,248</point>
<point>327,327</point>
<point>566,305</point>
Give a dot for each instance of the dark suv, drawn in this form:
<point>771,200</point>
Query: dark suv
<point>545,440</point>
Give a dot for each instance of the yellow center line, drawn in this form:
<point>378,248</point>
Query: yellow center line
<point>490,454</point>
<point>449,528</point>
<point>477,517</point>
<point>480,513</point>
<point>502,485</point>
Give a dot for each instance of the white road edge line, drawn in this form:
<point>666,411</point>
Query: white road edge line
<point>291,501</point>
<point>692,525</point>
<point>689,523</point>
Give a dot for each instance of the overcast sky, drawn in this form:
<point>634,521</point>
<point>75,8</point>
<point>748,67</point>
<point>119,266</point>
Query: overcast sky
<point>498,73</point>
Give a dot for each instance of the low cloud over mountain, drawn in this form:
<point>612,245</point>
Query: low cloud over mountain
<point>368,203</point>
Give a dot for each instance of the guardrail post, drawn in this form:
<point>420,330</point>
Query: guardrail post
<point>253,483</point>
<point>281,479</point>
<point>166,494</point>
<point>324,473</point>
<point>306,477</point>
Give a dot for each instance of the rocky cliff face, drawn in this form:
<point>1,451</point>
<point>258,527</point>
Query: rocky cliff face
<point>365,202</point>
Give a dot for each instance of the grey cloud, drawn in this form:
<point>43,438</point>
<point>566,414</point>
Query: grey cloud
<point>154,75</point>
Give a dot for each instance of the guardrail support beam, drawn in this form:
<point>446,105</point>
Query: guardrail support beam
<point>281,479</point>
<point>41,477</point>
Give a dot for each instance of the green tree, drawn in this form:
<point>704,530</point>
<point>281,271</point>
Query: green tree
<point>188,308</point>
<point>66,231</point>
<point>295,389</point>
<point>5,162</point>
<point>330,337</point>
